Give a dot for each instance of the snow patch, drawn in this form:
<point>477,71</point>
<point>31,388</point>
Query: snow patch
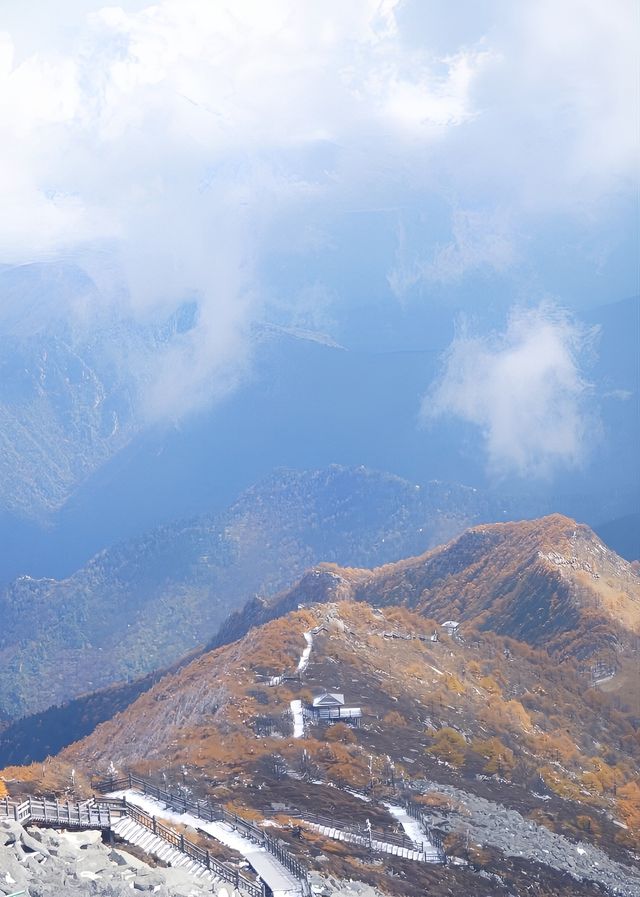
<point>410,826</point>
<point>358,795</point>
<point>218,830</point>
<point>303,663</point>
<point>281,882</point>
<point>298,718</point>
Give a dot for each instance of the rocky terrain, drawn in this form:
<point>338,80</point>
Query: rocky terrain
<point>486,822</point>
<point>525,760</point>
<point>528,769</point>
<point>50,863</point>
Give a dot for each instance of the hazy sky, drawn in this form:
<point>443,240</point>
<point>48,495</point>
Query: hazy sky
<point>199,147</point>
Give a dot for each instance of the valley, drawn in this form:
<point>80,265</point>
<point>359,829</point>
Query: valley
<point>142,604</point>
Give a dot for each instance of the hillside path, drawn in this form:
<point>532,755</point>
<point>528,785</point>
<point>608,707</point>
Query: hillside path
<point>279,879</point>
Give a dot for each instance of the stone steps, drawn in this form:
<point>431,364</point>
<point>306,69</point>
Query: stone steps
<point>152,844</point>
<point>406,853</point>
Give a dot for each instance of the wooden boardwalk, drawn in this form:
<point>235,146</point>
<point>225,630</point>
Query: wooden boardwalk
<point>64,814</point>
<point>125,819</point>
<point>376,841</point>
<point>290,869</point>
<point>273,861</point>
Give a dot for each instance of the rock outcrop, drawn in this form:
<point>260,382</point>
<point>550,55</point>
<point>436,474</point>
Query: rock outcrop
<point>49,863</point>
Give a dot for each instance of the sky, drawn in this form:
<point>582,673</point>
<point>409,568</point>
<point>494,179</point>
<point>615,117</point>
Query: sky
<point>291,160</point>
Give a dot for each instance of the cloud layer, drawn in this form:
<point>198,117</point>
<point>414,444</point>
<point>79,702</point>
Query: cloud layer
<point>526,391</point>
<point>176,148</point>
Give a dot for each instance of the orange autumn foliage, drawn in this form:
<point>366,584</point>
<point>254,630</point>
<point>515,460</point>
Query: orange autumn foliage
<point>449,745</point>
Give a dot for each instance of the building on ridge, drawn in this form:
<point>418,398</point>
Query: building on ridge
<point>329,707</point>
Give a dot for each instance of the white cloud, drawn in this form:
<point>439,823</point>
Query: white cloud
<point>184,138</point>
<point>524,389</point>
<point>177,137</point>
<point>551,133</point>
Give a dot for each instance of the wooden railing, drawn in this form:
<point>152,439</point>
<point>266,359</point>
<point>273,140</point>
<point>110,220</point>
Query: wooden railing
<point>361,834</point>
<point>85,814</point>
<point>416,812</point>
<point>194,851</point>
<point>103,812</point>
<point>213,813</point>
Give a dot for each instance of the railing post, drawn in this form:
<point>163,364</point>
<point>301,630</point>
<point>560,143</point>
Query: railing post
<point>130,782</point>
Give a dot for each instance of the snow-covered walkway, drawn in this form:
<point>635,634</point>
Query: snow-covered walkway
<point>303,663</point>
<point>298,718</point>
<point>410,826</point>
<point>428,855</point>
<point>296,706</point>
<point>279,879</point>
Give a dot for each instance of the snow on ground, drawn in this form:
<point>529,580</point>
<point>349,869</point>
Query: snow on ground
<point>298,719</point>
<point>410,826</point>
<point>602,679</point>
<point>281,882</point>
<point>303,663</point>
<point>357,794</point>
<point>218,830</point>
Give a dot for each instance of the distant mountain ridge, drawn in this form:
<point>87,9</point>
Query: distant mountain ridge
<point>145,603</point>
<point>70,372</point>
<point>83,468</point>
<point>549,582</point>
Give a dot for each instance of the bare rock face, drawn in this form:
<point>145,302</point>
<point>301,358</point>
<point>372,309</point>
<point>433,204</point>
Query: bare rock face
<point>48,863</point>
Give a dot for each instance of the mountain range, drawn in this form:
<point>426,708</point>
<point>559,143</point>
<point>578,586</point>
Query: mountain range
<point>85,466</point>
<point>523,707</point>
<point>145,602</point>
